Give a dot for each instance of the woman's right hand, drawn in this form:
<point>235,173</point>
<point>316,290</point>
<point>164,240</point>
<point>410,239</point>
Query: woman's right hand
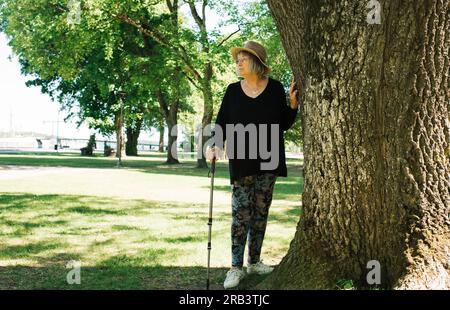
<point>213,152</point>
<point>293,94</point>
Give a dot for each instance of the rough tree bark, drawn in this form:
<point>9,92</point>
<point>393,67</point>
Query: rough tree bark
<point>133,132</point>
<point>161,137</point>
<point>170,112</point>
<point>375,103</point>
<point>120,149</point>
<point>207,116</point>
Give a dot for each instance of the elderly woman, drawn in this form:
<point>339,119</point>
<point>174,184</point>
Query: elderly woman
<point>254,101</point>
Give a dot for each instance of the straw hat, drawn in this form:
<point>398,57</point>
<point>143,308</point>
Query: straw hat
<point>255,49</point>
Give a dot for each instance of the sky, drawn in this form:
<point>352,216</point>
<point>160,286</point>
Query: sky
<point>25,108</point>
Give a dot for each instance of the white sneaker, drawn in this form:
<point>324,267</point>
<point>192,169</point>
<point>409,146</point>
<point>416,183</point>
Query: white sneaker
<point>234,276</point>
<point>259,268</point>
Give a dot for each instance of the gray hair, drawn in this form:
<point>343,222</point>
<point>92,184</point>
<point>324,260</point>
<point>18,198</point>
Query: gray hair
<point>255,65</point>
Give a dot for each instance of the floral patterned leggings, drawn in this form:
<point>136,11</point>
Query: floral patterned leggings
<point>251,199</point>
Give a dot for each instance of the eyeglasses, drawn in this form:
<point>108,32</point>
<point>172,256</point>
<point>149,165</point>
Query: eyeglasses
<point>243,59</point>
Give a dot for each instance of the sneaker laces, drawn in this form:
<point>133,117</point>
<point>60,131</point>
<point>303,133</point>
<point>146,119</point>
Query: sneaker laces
<point>233,273</point>
<point>260,263</point>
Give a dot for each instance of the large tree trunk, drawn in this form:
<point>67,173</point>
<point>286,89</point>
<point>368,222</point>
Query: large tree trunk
<point>118,124</point>
<point>376,143</point>
<point>170,113</point>
<point>172,151</point>
<point>132,138</point>
<point>161,137</point>
<point>207,116</point>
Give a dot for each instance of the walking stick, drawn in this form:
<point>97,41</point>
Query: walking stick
<point>212,170</point>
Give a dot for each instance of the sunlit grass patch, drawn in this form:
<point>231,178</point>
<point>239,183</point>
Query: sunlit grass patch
<point>129,239</point>
<point>124,225</point>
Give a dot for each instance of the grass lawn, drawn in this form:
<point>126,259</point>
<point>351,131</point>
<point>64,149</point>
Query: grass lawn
<point>139,227</point>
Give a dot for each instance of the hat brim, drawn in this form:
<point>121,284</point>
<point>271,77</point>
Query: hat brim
<point>236,50</point>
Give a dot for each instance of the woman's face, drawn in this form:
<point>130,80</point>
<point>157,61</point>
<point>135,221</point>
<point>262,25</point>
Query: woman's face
<point>243,64</point>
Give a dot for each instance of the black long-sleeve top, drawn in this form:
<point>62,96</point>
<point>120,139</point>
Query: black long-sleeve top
<point>269,108</point>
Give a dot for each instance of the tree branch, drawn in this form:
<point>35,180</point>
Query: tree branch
<point>239,29</point>
<point>162,103</point>
<point>193,82</point>
<point>179,49</point>
<point>146,31</point>
<point>199,21</point>
<point>205,3</point>
<point>59,8</point>
<point>185,58</point>
<point>173,9</point>
<point>169,5</point>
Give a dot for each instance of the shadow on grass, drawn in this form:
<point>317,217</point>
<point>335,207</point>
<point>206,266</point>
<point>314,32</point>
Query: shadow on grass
<point>17,202</point>
<point>153,166</point>
<point>189,169</point>
<point>115,272</point>
<point>291,215</point>
<point>195,238</point>
<point>17,251</point>
<point>82,204</point>
<point>285,188</point>
<point>25,227</point>
<point>44,232</point>
<point>58,161</point>
<point>153,163</point>
<point>120,276</point>
<point>92,211</point>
